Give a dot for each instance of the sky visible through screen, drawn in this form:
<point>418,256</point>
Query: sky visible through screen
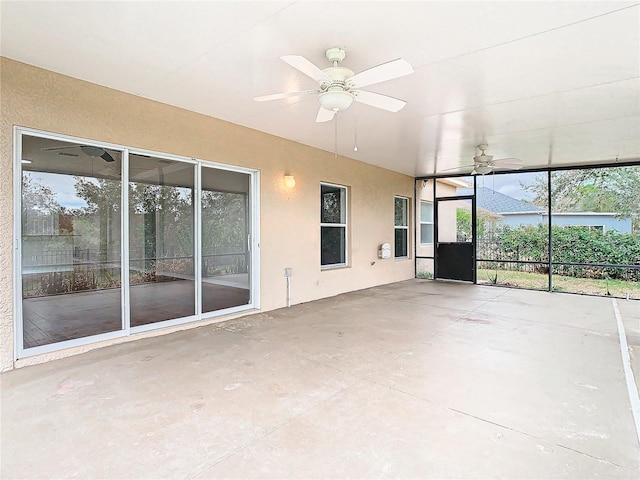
<point>510,184</point>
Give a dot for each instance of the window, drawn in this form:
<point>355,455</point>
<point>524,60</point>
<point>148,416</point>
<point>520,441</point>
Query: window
<point>600,228</point>
<point>401,226</point>
<point>426,223</point>
<point>333,225</point>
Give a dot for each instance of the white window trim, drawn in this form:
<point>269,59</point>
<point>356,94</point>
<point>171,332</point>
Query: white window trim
<point>426,202</point>
<point>401,227</point>
<point>344,225</point>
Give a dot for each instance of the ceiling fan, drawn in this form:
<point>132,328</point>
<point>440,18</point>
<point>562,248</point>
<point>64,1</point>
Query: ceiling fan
<point>88,150</point>
<point>338,86</point>
<point>483,163</point>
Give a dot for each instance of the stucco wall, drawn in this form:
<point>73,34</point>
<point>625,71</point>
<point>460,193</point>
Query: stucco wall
<point>290,229</point>
<point>447,220</point>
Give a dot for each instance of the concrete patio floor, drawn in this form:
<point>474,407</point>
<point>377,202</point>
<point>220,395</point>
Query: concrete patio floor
<point>417,379</point>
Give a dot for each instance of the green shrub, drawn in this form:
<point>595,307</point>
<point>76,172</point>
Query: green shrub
<point>569,245</point>
<point>424,275</point>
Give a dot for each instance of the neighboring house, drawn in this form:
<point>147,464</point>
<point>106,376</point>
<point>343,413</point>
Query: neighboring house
<point>514,212</point>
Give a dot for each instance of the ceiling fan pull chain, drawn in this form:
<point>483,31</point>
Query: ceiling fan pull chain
<point>355,128</point>
<point>335,136</point>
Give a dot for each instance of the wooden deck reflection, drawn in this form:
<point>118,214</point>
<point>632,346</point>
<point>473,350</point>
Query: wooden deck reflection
<point>58,318</point>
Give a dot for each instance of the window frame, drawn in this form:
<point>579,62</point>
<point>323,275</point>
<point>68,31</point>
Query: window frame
<point>404,227</point>
<point>344,214</point>
<point>423,203</point>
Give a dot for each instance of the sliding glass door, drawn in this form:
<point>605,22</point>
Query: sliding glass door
<point>226,258</point>
<point>181,252</point>
<point>70,238</point>
<point>161,252</point>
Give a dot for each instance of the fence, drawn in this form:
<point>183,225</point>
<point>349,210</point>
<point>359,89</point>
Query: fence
<point>492,255</point>
<point>65,271</point>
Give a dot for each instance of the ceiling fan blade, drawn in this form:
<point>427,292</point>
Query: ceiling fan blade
<point>508,166</point>
<point>58,148</point>
<point>277,96</point>
<point>508,162</point>
<point>381,73</point>
<point>461,167</point>
<point>378,100</point>
<point>107,157</point>
<point>305,66</point>
<point>325,115</point>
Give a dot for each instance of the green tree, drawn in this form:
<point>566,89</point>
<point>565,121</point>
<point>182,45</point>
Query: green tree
<point>223,222</point>
<point>161,222</point>
<point>37,199</point>
<point>615,190</point>
<point>103,202</point>
<point>485,223</point>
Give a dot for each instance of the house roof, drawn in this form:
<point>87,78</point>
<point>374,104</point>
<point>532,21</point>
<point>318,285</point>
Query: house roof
<point>497,202</point>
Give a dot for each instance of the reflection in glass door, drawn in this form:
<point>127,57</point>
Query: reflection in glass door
<point>225,227</point>
<point>161,248</point>
<point>70,241</point>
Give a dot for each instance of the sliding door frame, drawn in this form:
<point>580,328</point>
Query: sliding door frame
<point>253,243</point>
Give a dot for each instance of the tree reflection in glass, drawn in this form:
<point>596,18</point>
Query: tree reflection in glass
<point>161,220</point>
<point>70,209</point>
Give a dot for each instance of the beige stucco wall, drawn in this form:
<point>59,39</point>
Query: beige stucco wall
<point>290,230</point>
<point>447,220</point>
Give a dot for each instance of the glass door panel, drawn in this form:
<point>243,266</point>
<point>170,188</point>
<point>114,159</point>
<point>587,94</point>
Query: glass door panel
<point>70,241</point>
<point>161,240</point>
<point>512,230</point>
<point>225,228</point>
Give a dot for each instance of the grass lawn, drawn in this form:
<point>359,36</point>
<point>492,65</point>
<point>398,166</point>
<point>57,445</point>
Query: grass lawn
<point>615,288</point>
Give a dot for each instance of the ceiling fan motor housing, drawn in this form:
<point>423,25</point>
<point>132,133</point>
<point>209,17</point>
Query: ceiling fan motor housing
<point>483,159</point>
<point>336,97</point>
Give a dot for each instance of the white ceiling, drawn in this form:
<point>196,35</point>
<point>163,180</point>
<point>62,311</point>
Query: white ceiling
<point>551,83</point>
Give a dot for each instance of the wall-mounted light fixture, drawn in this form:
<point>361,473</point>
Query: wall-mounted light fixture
<point>289,181</point>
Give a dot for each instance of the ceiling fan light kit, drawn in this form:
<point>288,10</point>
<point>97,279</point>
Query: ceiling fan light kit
<point>335,99</point>
<point>482,169</point>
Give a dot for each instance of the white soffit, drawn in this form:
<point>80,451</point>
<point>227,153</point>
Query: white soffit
<point>551,83</point>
